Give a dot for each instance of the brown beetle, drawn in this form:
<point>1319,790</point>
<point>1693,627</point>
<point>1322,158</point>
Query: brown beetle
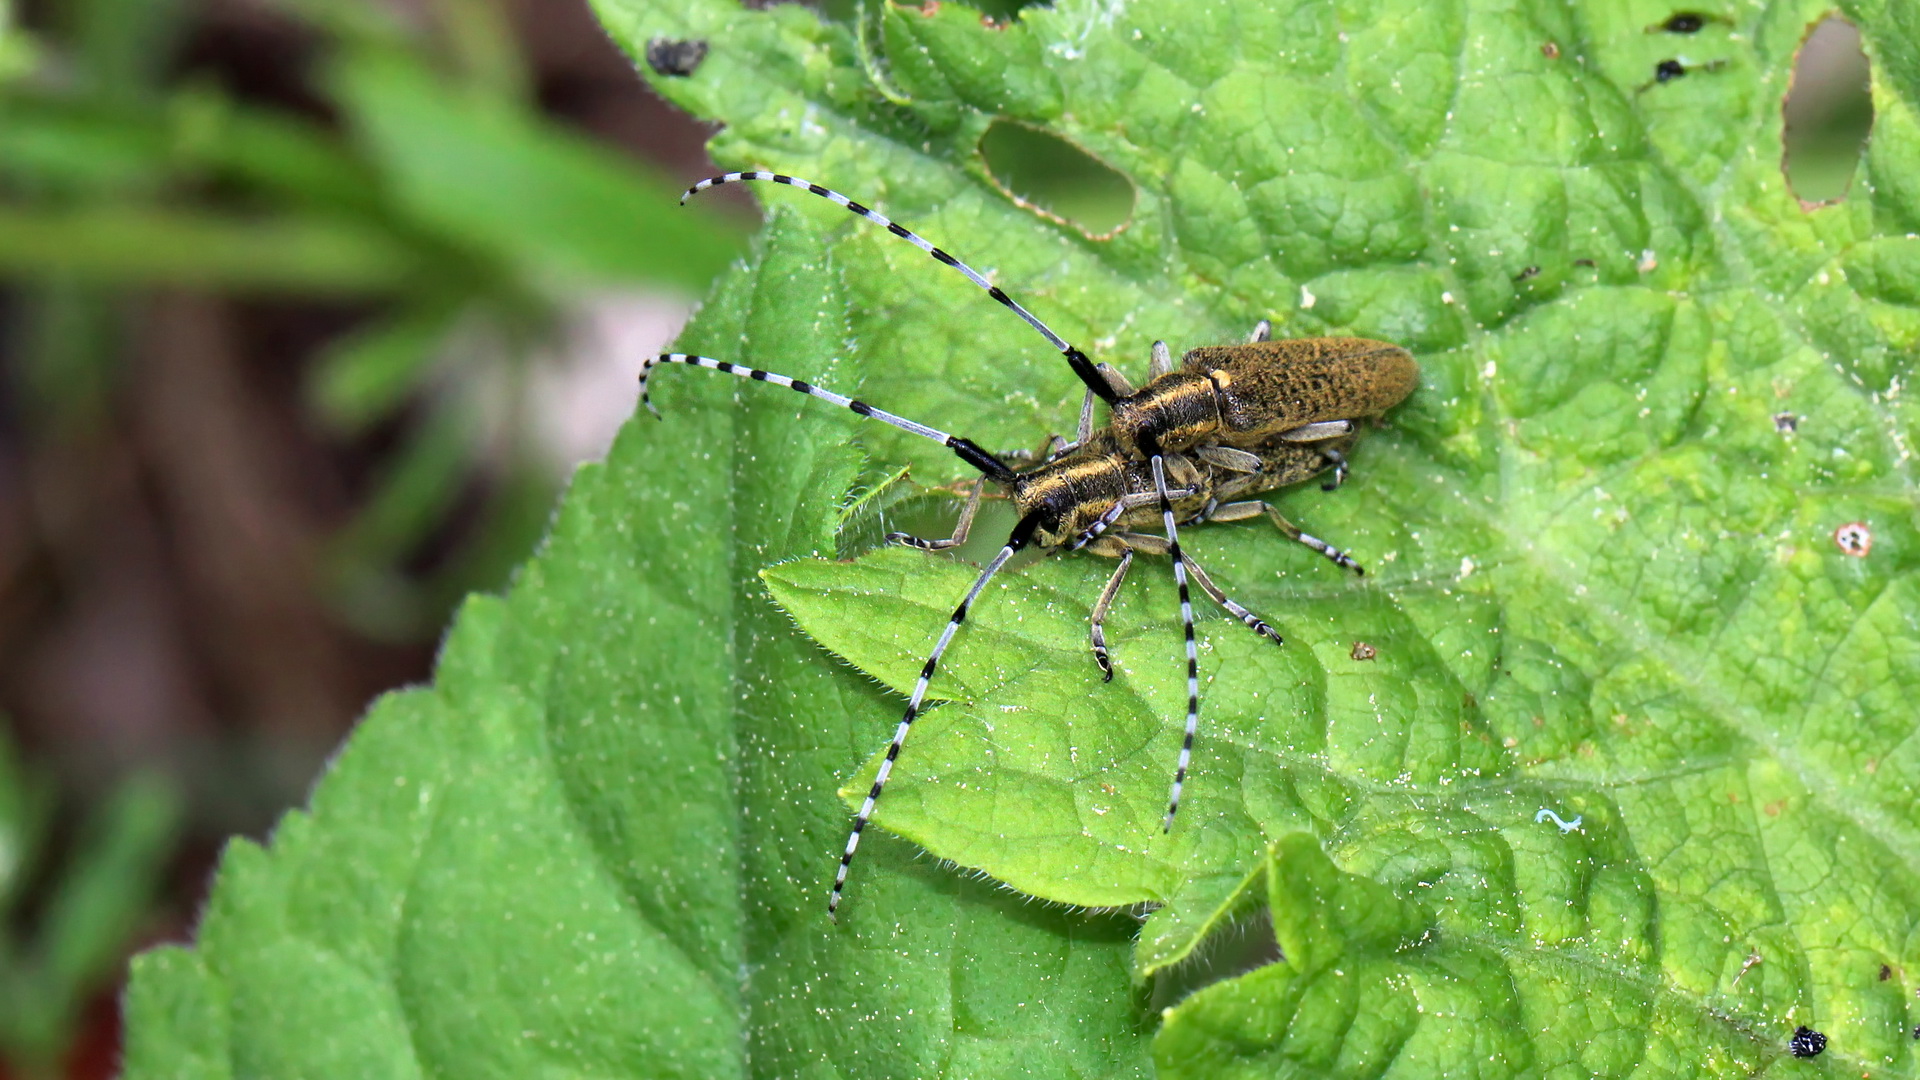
<point>1234,421</point>
<point>1298,390</point>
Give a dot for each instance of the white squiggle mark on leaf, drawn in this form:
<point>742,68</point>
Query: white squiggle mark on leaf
<point>1565,826</point>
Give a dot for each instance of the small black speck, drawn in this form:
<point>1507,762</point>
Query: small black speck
<point>1583,262</point>
<point>1916,1032</point>
<point>1685,22</point>
<point>1886,972</point>
<point>1668,70</point>
<point>1786,424</point>
<point>676,58</point>
<point>1806,1043</point>
<point>1529,272</point>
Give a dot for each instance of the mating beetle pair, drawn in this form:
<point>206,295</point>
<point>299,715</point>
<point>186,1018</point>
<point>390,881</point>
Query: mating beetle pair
<point>1232,421</point>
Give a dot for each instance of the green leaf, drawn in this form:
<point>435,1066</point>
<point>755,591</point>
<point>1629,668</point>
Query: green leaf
<point>1605,580</point>
<point>1604,583</point>
<point>600,843</point>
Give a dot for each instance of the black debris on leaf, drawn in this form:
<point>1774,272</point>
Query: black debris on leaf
<point>1806,1043</point>
<point>1668,70</point>
<point>1685,22</point>
<point>676,58</point>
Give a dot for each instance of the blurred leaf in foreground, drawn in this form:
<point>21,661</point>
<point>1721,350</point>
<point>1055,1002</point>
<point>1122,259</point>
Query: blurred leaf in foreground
<point>64,943</point>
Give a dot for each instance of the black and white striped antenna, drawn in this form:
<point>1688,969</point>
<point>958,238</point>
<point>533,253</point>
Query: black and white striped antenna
<point>968,451</point>
<point>1022,536</point>
<point>1076,359</point>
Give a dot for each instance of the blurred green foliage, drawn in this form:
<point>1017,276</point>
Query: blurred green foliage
<point>429,192</point>
<point>80,918</point>
<point>442,198</point>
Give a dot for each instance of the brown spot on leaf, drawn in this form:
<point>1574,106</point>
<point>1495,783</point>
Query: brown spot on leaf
<point>1854,538</point>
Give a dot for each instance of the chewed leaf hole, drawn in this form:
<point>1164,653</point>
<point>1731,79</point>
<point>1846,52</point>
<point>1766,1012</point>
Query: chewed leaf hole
<point>1057,179</point>
<point>1228,952</point>
<point>1828,112</point>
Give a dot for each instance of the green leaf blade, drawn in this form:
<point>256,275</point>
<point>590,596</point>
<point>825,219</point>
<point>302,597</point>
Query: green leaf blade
<point>1604,583</point>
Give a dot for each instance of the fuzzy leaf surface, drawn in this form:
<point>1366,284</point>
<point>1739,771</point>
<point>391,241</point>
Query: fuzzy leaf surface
<point>1606,580</point>
<point>598,845</point>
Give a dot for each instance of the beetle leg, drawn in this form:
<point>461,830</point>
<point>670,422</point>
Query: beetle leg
<point>1205,513</point>
<point>1339,461</point>
<point>1160,362</point>
<point>1325,429</point>
<point>1239,511</point>
<point>1252,622</point>
<point>1228,458</point>
<point>1098,622</point>
<point>1340,558</point>
<point>1052,448</point>
<point>1156,545</point>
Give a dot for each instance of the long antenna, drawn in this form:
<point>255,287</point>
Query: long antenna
<point>991,467</point>
<point>1186,624</point>
<point>1022,536</point>
<point>1076,359</point>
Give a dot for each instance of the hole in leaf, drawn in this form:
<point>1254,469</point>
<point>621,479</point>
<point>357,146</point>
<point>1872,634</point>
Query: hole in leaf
<point>1242,945</point>
<point>1828,113</point>
<point>1056,179</point>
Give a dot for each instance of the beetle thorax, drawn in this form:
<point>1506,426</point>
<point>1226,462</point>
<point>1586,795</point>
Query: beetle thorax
<point>1070,494</point>
<point>1172,413</point>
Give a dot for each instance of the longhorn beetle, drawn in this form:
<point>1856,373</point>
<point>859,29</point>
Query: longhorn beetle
<point>1254,416</point>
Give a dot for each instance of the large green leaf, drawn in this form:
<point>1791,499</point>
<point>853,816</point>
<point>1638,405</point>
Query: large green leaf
<point>598,845</point>
<point>1605,583</point>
